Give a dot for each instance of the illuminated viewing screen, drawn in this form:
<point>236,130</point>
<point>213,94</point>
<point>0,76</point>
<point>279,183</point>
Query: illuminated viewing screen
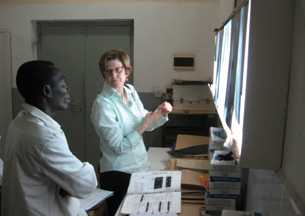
<point>230,71</point>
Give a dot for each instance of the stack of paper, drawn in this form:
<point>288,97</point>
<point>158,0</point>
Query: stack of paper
<point>224,182</point>
<point>193,164</point>
<point>193,161</point>
<point>194,179</point>
<point>95,198</point>
<point>153,193</point>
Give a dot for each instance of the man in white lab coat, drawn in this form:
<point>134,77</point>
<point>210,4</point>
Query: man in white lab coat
<point>41,175</point>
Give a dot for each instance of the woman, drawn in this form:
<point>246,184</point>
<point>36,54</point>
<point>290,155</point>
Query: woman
<point>120,120</point>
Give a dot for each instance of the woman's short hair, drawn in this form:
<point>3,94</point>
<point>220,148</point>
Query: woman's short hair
<point>113,54</point>
<point>32,76</point>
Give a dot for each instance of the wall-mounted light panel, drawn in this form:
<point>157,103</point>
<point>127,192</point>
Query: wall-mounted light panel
<point>184,62</point>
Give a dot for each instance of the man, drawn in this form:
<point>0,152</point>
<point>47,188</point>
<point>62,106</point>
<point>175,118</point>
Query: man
<point>41,175</point>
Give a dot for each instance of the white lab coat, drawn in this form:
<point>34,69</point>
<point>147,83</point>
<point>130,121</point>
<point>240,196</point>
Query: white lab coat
<point>37,164</point>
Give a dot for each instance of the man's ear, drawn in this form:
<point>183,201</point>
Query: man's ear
<point>47,91</point>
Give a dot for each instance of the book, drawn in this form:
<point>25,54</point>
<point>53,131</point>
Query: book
<point>153,192</point>
<point>192,179</point>
<point>239,213</point>
<point>194,164</point>
<point>191,151</point>
<point>188,140</point>
<point>94,198</point>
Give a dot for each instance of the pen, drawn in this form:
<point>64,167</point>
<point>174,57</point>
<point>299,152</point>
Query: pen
<point>168,206</point>
<point>147,206</point>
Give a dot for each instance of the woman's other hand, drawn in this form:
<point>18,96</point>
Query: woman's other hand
<point>148,119</point>
<point>151,117</point>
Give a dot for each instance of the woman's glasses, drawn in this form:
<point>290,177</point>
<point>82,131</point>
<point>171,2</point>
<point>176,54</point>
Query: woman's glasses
<point>117,70</point>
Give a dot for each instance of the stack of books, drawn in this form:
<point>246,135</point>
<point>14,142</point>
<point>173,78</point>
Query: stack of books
<point>191,157</point>
<point>224,184</point>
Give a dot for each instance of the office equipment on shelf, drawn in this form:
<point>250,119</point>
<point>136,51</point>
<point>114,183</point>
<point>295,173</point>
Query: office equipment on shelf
<point>94,198</point>
<point>192,98</point>
<point>153,192</point>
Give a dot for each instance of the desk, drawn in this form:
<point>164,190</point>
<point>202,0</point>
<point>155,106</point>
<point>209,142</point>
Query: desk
<point>158,159</point>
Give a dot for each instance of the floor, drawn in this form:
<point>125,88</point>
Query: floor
<point>267,195</point>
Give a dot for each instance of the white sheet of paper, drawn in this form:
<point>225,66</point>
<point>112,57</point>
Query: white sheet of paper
<point>158,157</point>
<point>94,198</point>
<point>145,182</point>
<point>154,203</point>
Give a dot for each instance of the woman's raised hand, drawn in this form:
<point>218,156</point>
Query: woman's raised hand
<point>164,108</point>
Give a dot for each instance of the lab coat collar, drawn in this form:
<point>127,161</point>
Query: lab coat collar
<point>108,91</point>
<point>48,120</point>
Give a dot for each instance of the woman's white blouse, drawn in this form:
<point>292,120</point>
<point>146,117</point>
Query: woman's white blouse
<point>37,164</point>
<point>116,124</point>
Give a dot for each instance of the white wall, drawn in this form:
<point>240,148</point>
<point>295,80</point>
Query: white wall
<point>5,81</point>
<point>225,9</point>
<point>294,159</point>
<point>161,28</point>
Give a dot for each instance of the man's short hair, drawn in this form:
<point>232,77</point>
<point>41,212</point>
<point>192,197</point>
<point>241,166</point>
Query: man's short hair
<point>32,76</point>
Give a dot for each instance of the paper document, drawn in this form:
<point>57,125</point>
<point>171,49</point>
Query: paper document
<point>153,203</point>
<point>94,198</point>
<point>153,192</point>
<point>154,182</point>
